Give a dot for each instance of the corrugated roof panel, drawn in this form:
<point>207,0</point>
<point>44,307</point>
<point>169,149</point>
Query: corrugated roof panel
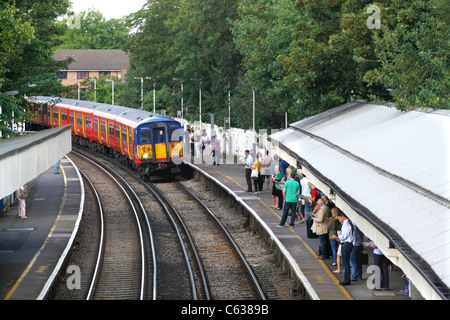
<point>389,139</point>
<point>412,191</point>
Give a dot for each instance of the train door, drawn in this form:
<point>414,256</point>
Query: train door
<point>72,121</point>
<point>64,117</point>
<point>56,117</point>
<point>111,135</point>
<point>95,131</point>
<point>125,149</point>
<point>88,126</point>
<point>130,143</point>
<point>159,144</point>
<point>79,125</point>
<point>102,133</point>
<point>118,143</point>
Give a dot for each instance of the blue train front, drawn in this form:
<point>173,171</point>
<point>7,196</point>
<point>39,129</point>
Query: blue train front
<point>158,145</point>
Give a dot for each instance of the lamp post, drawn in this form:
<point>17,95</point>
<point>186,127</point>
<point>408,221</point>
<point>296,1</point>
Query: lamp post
<point>176,79</point>
<point>112,90</point>
<point>154,93</point>
<point>95,89</point>
<point>78,87</point>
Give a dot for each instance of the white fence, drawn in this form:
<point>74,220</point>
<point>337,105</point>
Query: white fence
<point>234,141</point>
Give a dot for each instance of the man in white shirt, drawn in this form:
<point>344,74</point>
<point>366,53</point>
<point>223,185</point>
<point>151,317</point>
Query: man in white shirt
<point>306,194</point>
<point>346,239</point>
<point>248,164</point>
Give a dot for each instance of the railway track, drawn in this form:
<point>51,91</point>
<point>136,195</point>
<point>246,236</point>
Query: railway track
<point>121,267</point>
<point>171,279</point>
<point>196,256</point>
<point>226,273</point>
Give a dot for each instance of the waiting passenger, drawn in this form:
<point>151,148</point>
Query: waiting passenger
<point>322,228</point>
<point>333,227</point>
<point>291,192</point>
<point>22,194</point>
<point>283,166</point>
<point>267,162</point>
<point>383,263</point>
<point>277,196</point>
<point>346,240</point>
<point>257,165</point>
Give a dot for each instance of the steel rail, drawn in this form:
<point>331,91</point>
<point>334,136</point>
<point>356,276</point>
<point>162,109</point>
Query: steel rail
<point>143,266</point>
<point>249,269</point>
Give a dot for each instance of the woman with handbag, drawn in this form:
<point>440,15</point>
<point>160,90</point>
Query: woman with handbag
<point>256,174</point>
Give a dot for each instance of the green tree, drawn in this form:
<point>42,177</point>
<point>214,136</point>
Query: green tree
<point>26,58</point>
<point>92,31</point>
<point>205,50</point>
<point>412,47</point>
<point>149,49</point>
<point>263,33</point>
<point>36,62</point>
<point>15,34</point>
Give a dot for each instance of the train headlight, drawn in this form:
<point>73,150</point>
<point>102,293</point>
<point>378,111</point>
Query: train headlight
<point>175,153</point>
<point>146,156</point>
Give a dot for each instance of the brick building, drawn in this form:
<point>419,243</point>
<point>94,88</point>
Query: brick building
<point>89,64</point>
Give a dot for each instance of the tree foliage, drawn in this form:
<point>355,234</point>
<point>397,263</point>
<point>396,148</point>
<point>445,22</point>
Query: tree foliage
<point>299,57</point>
<point>413,50</point>
<point>91,30</point>
<point>26,56</point>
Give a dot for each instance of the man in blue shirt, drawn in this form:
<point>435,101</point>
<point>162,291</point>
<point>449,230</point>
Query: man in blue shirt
<point>291,193</point>
<point>355,256</point>
<point>283,166</point>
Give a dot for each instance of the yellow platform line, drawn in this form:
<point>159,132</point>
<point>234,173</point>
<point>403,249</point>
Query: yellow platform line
<point>327,270</point>
<point>30,265</point>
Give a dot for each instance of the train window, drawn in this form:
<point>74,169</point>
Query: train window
<point>102,126</point>
<point>64,115</point>
<point>55,113</point>
<point>71,117</point>
<point>79,119</point>
<point>95,124</point>
<point>111,129</point>
<point>117,132</point>
<point>124,135</point>
<point>144,136</point>
<point>159,135</point>
<point>88,122</point>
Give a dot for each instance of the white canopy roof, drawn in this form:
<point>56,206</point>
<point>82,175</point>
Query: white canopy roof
<point>394,165</point>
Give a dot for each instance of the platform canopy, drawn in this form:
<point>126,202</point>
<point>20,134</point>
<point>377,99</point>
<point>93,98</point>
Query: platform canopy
<point>390,171</point>
<point>25,157</point>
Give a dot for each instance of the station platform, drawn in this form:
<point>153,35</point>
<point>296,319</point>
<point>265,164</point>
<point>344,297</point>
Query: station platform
<point>32,250</point>
<point>318,274</point>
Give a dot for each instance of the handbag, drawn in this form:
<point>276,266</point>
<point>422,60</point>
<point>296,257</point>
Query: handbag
<point>254,174</point>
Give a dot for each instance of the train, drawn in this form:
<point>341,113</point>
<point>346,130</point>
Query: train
<point>149,143</point>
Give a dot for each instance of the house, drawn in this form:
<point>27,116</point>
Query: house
<point>89,64</point>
